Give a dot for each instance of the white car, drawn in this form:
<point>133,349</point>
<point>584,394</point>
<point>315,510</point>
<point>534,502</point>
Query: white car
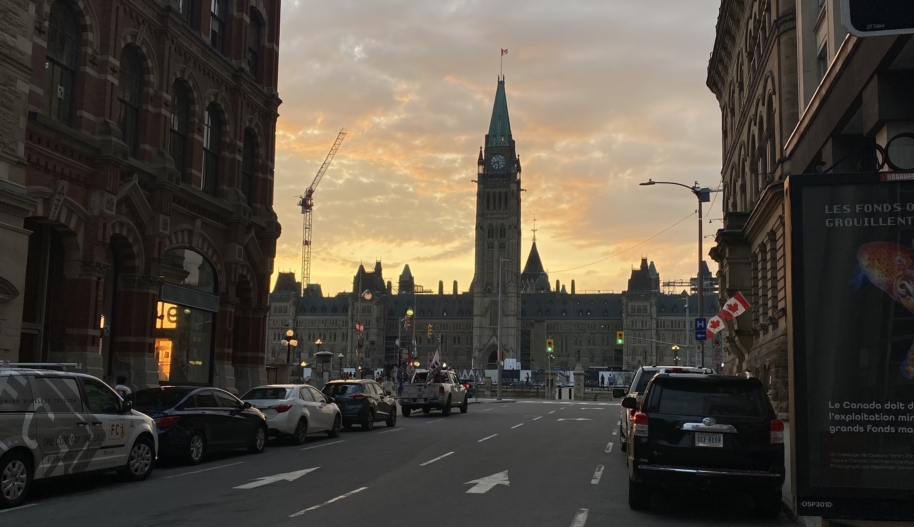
<point>296,410</point>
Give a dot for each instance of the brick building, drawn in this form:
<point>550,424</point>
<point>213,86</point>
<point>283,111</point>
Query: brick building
<point>149,150</point>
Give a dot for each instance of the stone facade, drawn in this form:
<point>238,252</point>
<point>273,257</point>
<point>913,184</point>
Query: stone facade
<point>150,147</point>
<point>16,23</point>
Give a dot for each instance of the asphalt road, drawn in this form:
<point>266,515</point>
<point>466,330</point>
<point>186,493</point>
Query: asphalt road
<point>561,463</point>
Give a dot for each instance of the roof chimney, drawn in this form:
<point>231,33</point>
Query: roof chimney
<point>557,286</point>
<point>455,287</point>
<point>390,289</point>
<point>572,287</point>
<point>441,287</point>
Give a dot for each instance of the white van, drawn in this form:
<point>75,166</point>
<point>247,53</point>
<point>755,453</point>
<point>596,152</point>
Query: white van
<point>56,423</point>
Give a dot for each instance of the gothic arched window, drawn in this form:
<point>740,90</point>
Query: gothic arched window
<point>61,62</point>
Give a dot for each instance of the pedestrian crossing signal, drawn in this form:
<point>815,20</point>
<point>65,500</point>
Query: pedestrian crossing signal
<point>550,345</point>
<point>620,337</point>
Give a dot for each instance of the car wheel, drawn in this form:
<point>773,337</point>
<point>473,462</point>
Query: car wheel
<point>392,418</point>
<point>301,432</point>
<point>623,444</point>
<point>15,479</point>
<point>368,423</point>
<point>406,411</point>
<point>335,431</point>
<point>258,440</point>
<point>639,499</point>
<point>446,409</point>
<point>768,504</point>
<point>196,448</point>
<point>465,407</point>
<point>140,460</point>
<point>426,410</point>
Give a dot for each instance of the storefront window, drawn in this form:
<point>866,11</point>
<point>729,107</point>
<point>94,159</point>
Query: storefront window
<point>184,329</point>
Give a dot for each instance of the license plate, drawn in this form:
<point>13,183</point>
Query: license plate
<point>709,440</point>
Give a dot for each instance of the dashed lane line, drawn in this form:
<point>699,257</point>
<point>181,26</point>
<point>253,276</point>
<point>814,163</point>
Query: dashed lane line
<point>18,508</point>
<point>535,418</point>
<point>580,519</point>
<point>328,502</point>
<point>394,430</point>
<point>515,426</point>
<point>487,409</point>
<point>616,432</point>
<point>486,438</point>
<point>325,444</point>
<point>430,461</point>
<point>204,470</point>
<point>609,447</point>
<point>597,475</point>
<point>552,412</point>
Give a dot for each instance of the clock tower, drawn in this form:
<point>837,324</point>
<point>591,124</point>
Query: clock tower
<point>498,232</point>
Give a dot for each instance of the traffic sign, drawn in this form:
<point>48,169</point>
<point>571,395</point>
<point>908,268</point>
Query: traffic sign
<point>556,368</point>
<point>701,324</point>
<point>701,334</point>
<point>870,18</point>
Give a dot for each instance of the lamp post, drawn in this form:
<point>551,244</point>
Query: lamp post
<point>675,349</point>
<point>289,342</point>
<point>498,357</point>
<point>359,326</point>
<point>704,195</point>
<point>340,356</point>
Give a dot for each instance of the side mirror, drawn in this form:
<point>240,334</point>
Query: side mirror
<point>629,402</point>
<point>387,392</point>
<point>619,393</point>
<point>246,405</point>
<point>331,399</point>
<point>128,407</point>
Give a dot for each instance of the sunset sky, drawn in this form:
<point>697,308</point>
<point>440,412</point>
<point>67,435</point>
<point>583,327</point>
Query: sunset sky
<point>602,94</point>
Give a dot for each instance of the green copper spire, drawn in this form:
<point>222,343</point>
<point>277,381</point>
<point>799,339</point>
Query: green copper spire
<point>500,126</point>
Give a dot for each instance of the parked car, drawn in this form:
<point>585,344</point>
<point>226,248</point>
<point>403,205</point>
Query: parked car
<point>362,402</point>
<point>470,385</point>
<point>296,411</point>
<point>642,377</point>
<point>443,393</point>
<point>56,423</point>
<point>193,421</point>
<point>706,432</point>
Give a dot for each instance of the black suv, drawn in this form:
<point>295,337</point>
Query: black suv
<point>362,402</point>
<point>706,432</point>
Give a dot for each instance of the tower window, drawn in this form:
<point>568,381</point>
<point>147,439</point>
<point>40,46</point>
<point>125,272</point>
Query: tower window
<point>61,62</point>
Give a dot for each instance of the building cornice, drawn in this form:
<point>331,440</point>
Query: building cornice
<point>725,44</point>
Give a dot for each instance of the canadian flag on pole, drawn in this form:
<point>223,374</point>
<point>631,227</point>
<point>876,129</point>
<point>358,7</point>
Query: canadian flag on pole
<point>736,306</point>
<point>504,52</point>
<point>714,326</point>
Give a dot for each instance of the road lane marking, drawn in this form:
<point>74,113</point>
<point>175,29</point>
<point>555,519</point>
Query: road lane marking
<point>618,423</point>
<point>429,462</point>
<point>328,502</point>
<point>483,485</point>
<point>597,475</point>
<point>325,444</point>
<point>515,426</point>
<point>486,438</point>
<point>487,409</point>
<point>535,418</point>
<point>574,419</point>
<point>552,412</point>
<point>504,405</point>
<point>288,476</point>
<point>593,408</point>
<point>389,431</point>
<point>609,447</point>
<point>616,432</point>
<point>19,507</point>
<point>435,421</point>
<point>204,470</point>
<point>580,518</point>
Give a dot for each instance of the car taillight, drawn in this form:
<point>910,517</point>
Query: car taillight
<point>441,390</point>
<point>777,432</point>
<point>359,396</point>
<point>280,408</point>
<point>165,422</point>
<point>466,385</point>
<point>640,421</point>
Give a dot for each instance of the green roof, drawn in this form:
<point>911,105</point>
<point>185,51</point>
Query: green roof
<point>500,126</point>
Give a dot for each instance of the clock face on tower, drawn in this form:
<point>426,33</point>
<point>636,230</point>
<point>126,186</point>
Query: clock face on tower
<point>498,162</point>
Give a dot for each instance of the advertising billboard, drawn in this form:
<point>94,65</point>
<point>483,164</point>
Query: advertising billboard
<point>851,256</point>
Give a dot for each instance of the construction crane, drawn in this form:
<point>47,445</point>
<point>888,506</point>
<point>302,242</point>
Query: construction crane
<point>306,202</point>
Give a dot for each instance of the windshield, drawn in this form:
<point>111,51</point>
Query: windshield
<point>337,390</point>
<point>158,399</point>
<point>267,393</point>
<point>708,399</point>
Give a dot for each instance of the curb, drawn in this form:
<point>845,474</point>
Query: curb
<point>493,401</point>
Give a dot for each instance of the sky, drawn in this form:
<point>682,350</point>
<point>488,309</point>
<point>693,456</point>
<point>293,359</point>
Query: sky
<point>602,95</point>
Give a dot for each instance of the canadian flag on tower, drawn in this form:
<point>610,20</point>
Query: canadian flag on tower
<point>504,52</point>
<point>736,306</point>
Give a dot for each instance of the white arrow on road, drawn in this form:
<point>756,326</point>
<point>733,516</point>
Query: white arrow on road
<point>575,419</point>
<point>288,476</point>
<point>486,484</point>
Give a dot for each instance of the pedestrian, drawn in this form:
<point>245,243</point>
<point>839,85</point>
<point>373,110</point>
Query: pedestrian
<point>602,380</point>
<point>387,385</point>
<point>122,389</point>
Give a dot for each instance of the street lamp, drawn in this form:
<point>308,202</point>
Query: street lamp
<point>289,343</point>
<point>359,326</point>
<point>676,354</point>
<point>704,195</point>
<point>340,356</point>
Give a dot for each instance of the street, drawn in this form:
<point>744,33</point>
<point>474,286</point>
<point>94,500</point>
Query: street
<point>526,463</point>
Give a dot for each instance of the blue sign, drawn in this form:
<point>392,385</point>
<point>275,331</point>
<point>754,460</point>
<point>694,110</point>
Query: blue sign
<point>701,324</point>
<point>556,368</point>
<point>701,334</point>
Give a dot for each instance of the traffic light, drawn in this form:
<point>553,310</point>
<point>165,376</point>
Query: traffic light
<point>431,331</point>
<point>550,345</point>
<point>620,337</point>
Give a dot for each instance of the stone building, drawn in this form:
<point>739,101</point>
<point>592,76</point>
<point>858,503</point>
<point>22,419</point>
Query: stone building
<point>16,27</point>
<point>149,166</point>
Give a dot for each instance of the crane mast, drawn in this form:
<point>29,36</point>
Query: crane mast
<point>306,202</point>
